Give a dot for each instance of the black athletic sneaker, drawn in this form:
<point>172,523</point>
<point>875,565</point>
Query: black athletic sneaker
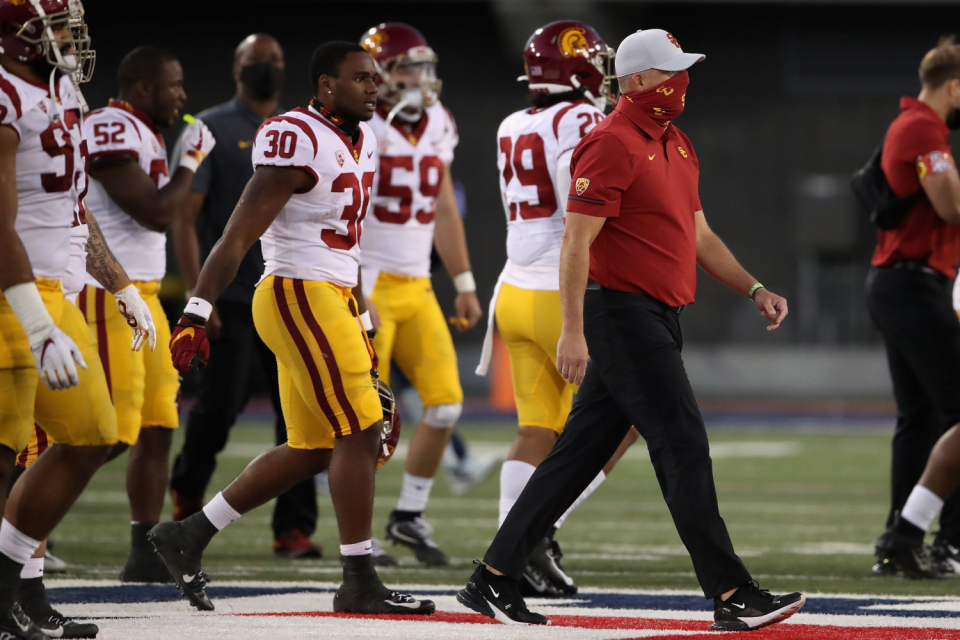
<point>16,624</point>
<point>751,607</point>
<point>32,598</point>
<point>546,558</point>
<point>884,567</point>
<point>181,551</point>
<point>497,597</point>
<point>362,592</point>
<point>415,534</point>
<point>903,544</point>
<point>377,598</point>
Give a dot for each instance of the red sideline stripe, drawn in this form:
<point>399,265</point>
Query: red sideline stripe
<point>304,353</point>
<point>775,632</point>
<point>328,358</point>
<point>103,348</point>
<point>7,88</point>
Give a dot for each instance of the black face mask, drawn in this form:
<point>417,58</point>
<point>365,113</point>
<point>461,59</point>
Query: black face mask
<point>953,119</point>
<point>265,80</point>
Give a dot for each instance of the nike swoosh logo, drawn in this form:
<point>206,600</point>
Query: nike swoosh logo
<point>189,578</point>
<point>369,154</point>
<point>739,606</point>
<point>245,144</point>
<point>651,157</point>
<point>495,594</point>
<point>409,605</point>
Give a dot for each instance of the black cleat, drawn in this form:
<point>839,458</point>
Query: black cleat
<point>534,585</point>
<point>374,597</point>
<point>415,535</point>
<point>903,544</point>
<point>497,597</point>
<point>181,553</point>
<point>144,565</point>
<point>751,607</point>
<point>32,599</point>
<point>947,557</point>
<point>546,559</point>
<point>16,625</point>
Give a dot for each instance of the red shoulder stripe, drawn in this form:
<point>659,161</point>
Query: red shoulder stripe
<point>557,118</point>
<point>7,87</point>
<point>297,123</point>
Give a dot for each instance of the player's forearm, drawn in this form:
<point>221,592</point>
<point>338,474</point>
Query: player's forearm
<point>15,266</point>
<point>186,246</point>
<point>101,263</point>
<point>715,258</point>
<point>168,202</point>
<point>451,242</point>
<point>220,268</point>
<point>574,271</point>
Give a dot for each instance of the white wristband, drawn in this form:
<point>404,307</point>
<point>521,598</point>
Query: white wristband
<point>189,162</point>
<point>365,321</point>
<point>464,282</point>
<point>199,307</point>
<point>28,306</point>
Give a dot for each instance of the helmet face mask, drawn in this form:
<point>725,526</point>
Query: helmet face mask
<point>390,434</point>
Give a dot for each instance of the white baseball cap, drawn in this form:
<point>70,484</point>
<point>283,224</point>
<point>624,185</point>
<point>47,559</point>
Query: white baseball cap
<point>652,49</point>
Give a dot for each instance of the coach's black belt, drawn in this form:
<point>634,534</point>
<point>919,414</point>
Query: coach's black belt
<point>921,267</point>
<point>593,285</point>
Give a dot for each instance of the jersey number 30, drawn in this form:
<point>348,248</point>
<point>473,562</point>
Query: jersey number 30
<point>353,213</point>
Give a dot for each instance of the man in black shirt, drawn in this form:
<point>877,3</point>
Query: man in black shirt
<point>236,347</point>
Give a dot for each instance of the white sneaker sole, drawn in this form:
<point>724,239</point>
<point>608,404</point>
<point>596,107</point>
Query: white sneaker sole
<point>776,616</point>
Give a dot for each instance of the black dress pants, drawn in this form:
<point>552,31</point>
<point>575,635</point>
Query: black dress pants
<point>914,312</point>
<point>222,395</point>
<point>635,377</point>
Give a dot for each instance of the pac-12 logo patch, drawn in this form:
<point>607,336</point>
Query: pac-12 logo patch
<point>340,157</point>
<point>582,184</point>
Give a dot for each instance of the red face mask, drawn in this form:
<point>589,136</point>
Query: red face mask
<point>664,103</point>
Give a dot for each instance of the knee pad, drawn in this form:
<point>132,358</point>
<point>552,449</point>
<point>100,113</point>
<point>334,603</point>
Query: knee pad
<point>442,416</point>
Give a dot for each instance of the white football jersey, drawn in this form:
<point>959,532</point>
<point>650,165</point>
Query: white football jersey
<point>48,160</point>
<point>316,235</point>
<point>398,237</point>
<point>119,130</point>
<point>530,145</point>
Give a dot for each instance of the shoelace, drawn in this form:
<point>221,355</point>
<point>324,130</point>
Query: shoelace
<point>405,598</point>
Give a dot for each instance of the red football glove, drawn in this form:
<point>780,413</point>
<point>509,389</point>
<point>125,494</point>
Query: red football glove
<point>189,345</point>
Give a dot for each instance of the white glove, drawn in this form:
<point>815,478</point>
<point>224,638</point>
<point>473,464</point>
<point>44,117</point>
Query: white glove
<point>137,314</point>
<point>55,355</point>
<point>54,352</point>
<point>196,143</point>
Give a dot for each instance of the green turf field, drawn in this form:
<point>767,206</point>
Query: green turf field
<point>803,509</point>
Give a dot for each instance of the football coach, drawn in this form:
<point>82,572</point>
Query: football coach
<point>635,226</point>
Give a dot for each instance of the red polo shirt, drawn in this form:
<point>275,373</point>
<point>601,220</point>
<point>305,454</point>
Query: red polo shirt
<point>644,179</point>
<point>917,145</point>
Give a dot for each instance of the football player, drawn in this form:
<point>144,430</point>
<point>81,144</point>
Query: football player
<point>306,202</point>
<point>569,69</point>
<point>413,208</point>
<point>134,198</point>
<point>43,338</point>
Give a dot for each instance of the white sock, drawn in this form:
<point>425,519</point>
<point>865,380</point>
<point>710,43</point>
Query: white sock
<point>15,544</point>
<point>922,507</point>
<point>356,549</point>
<point>219,512</point>
<point>583,496</point>
<point>514,476</point>
<point>32,568</point>
<point>414,493</point>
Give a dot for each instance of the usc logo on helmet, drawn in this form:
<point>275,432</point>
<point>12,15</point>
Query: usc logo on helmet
<point>572,42</point>
<point>374,42</point>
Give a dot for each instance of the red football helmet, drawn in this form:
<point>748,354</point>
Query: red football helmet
<point>27,33</point>
<point>390,435</point>
<point>570,55</point>
<point>407,64</point>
